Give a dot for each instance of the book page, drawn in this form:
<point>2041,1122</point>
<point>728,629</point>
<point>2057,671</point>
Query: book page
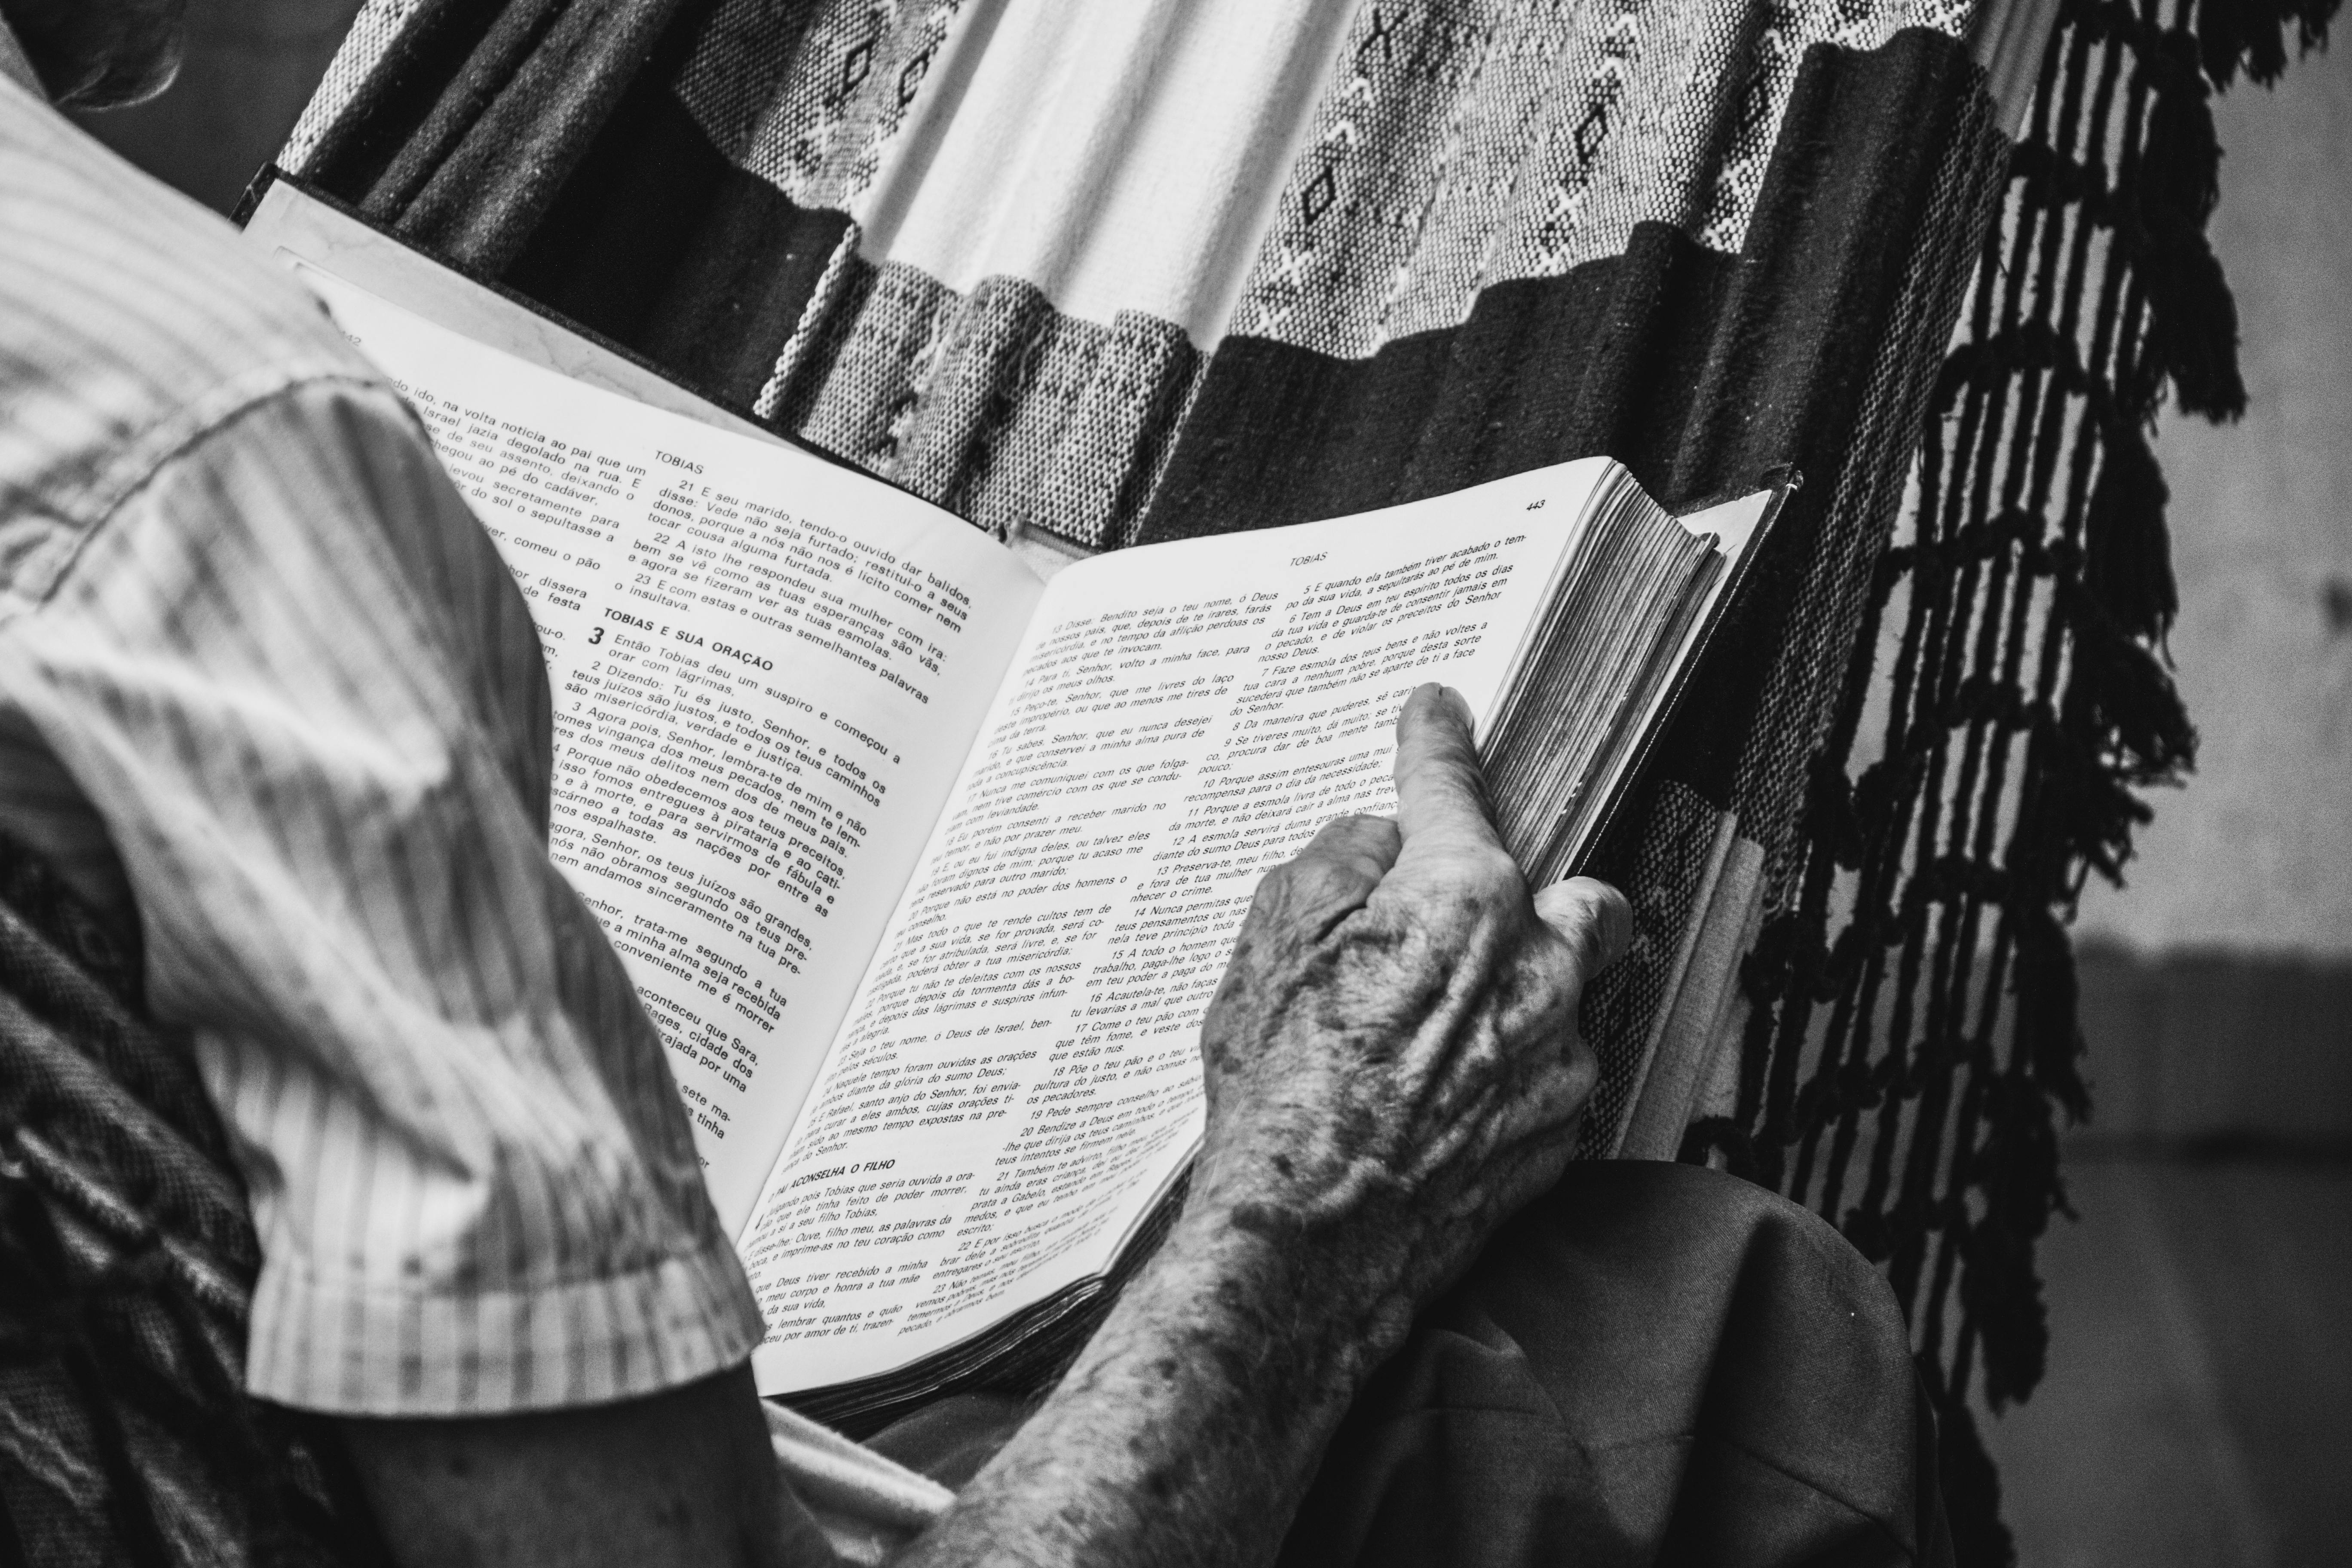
<point>1021,1075</point>
<point>766,670</point>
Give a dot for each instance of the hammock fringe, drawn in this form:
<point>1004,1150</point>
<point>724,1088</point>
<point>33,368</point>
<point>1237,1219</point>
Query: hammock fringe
<point>1912,1049</point>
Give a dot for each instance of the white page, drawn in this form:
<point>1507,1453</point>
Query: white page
<point>745,771</point>
<point>1021,1072</point>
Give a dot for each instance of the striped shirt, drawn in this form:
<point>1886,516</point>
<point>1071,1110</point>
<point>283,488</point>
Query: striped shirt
<point>265,689</point>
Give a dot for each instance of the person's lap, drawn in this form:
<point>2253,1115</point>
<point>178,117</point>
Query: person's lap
<point>1653,1363</point>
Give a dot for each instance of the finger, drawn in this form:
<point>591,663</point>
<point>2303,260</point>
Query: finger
<point>1342,868</point>
<point>1441,792</point>
<point>1591,917</point>
<point>1366,846</point>
<point>1339,866</point>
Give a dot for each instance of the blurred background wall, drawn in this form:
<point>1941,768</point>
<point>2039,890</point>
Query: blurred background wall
<point>2218,985</point>
<point>2198,1407</point>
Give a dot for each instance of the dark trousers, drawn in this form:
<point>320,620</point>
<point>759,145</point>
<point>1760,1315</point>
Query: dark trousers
<point>1653,1364</point>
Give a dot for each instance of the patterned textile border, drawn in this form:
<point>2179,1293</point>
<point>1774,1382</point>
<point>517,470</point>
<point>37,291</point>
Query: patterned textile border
<point>1457,145</point>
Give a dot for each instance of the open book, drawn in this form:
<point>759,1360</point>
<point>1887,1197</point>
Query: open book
<point>926,866</point>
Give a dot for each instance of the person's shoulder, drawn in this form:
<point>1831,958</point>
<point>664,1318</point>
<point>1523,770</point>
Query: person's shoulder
<point>132,320</point>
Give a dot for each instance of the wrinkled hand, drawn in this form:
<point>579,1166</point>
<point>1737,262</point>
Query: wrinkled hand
<point>1393,1059</point>
<point>1392,1067</point>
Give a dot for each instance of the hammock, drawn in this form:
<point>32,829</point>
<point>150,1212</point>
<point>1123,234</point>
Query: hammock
<point>1138,273</point>
<point>127,1261</point>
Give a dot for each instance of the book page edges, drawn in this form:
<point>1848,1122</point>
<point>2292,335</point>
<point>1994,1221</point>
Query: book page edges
<point>1514,668</point>
<point>1741,527</point>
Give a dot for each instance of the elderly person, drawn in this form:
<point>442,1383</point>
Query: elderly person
<point>269,700</point>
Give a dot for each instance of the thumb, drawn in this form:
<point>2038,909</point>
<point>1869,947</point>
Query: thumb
<point>1591,917</point>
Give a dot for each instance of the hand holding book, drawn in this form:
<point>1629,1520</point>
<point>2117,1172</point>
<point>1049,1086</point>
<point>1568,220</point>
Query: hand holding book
<point>1392,1070</point>
<point>1392,1060</point>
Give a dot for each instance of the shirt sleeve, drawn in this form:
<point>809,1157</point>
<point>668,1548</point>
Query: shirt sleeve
<point>295,681</point>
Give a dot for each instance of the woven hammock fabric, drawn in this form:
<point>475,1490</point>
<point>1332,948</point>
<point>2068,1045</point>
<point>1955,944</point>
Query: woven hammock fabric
<point>127,1260</point>
<point>1003,253</point>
